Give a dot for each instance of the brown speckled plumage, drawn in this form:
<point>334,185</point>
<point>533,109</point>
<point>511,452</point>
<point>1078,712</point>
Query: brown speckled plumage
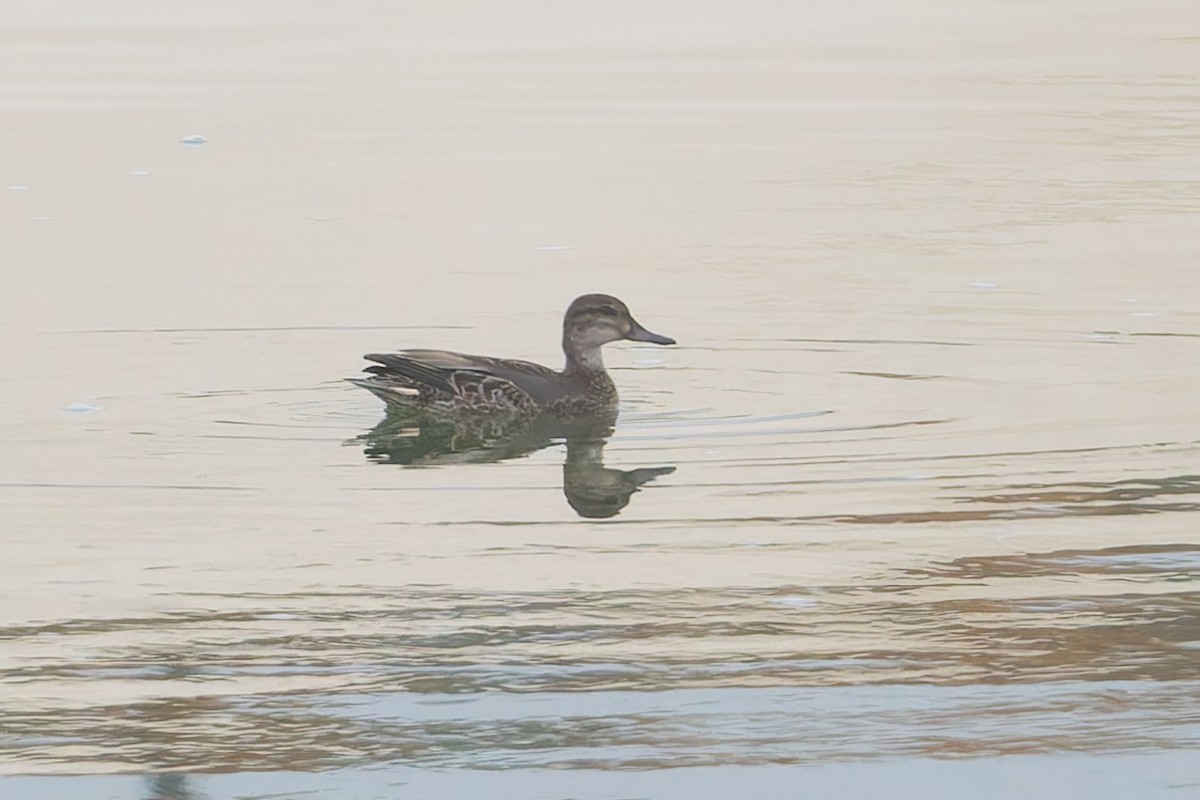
<point>443,383</point>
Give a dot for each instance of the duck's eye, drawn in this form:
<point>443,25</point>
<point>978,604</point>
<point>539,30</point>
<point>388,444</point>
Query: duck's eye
<point>609,310</point>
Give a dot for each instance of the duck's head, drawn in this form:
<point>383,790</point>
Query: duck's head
<point>596,319</point>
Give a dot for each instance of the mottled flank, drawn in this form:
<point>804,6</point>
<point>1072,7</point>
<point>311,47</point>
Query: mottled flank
<point>443,383</point>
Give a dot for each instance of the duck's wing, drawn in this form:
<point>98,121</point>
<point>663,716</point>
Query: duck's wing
<point>539,382</point>
<point>465,381</point>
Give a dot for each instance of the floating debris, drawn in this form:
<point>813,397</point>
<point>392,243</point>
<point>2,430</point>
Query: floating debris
<point>194,139</point>
<point>983,285</point>
<point>16,187</point>
<point>80,407</point>
<point>140,173</point>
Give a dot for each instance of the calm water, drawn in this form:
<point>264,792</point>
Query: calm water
<point>914,501</point>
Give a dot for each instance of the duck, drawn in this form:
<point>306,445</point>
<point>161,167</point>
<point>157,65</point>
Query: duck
<point>443,383</point>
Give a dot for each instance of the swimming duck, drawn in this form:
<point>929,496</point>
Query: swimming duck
<point>439,382</point>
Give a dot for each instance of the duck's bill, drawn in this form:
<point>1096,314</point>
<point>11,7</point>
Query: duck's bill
<point>640,334</point>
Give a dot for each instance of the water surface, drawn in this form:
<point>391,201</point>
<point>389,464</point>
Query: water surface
<point>920,480</point>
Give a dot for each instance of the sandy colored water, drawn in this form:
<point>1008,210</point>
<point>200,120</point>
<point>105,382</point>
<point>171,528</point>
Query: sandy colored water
<point>934,276</point>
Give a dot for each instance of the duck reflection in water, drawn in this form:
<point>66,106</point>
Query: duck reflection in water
<point>453,407</point>
<point>592,489</point>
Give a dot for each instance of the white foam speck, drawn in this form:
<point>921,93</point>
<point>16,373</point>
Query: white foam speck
<point>795,601</point>
<point>79,407</point>
<point>194,139</point>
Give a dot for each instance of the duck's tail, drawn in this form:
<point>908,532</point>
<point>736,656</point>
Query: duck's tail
<point>393,394</point>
